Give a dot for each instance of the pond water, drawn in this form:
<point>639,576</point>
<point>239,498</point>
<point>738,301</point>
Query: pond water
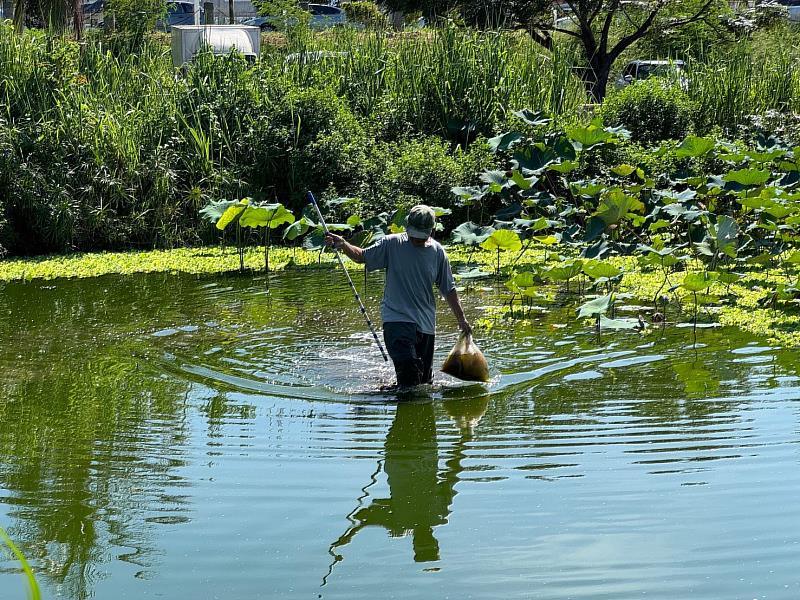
<point>168,436</point>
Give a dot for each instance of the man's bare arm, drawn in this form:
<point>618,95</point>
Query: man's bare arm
<point>455,305</point>
<point>352,252</point>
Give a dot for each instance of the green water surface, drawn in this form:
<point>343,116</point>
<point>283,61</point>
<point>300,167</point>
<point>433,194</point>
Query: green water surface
<point>174,437</point>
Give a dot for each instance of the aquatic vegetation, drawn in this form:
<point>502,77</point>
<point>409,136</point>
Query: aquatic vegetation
<point>33,587</point>
<point>196,261</point>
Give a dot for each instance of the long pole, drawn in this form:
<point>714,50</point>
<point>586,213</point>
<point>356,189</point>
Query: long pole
<point>349,280</point>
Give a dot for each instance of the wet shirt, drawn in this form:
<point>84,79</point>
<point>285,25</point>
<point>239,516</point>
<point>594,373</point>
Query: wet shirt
<point>411,273</point>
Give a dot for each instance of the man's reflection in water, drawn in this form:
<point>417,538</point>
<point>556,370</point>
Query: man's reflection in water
<point>420,494</point>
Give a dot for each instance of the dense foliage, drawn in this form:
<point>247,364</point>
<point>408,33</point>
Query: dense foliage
<point>101,148</point>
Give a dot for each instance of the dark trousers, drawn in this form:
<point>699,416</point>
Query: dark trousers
<point>411,352</point>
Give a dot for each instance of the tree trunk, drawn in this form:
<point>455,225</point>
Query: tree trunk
<point>595,78</point>
<point>77,19</point>
<point>19,15</point>
<point>230,12</point>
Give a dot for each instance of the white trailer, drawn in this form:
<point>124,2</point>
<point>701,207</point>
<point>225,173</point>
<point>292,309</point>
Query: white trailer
<point>188,40</point>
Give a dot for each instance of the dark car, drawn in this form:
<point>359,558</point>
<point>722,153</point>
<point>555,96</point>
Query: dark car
<point>322,17</point>
<point>178,13</point>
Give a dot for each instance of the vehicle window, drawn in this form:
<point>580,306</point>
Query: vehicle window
<point>630,70</point>
<point>324,10</point>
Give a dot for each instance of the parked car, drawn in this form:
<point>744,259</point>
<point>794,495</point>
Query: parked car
<point>322,17</point>
<point>638,70</point>
<point>793,6</point>
<point>178,13</point>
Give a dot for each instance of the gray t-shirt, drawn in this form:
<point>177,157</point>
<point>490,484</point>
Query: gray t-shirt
<point>411,273</point>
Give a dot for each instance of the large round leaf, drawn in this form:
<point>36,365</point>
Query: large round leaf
<point>266,215</point>
<point>694,146</point>
<point>696,282</point>
<point>232,213</point>
<point>471,234</point>
<point>503,239</point>
<point>600,268</point>
<point>747,176</point>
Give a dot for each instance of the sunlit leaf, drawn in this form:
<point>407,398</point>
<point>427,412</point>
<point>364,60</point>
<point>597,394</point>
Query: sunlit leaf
<point>266,215</point>
<point>595,307</point>
<point>503,239</point>
<point>694,146</point>
<point>747,177</point>
<point>232,213</point>
<point>695,282</point>
<point>600,268</point>
<point>623,170</point>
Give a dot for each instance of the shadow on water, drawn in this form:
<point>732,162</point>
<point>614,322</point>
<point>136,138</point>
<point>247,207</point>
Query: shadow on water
<point>118,396</point>
<point>420,493</point>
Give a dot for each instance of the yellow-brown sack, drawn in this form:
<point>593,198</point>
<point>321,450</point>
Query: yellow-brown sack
<point>466,361</point>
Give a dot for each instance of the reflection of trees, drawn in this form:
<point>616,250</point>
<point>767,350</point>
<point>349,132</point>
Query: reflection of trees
<point>420,493</point>
<point>89,439</point>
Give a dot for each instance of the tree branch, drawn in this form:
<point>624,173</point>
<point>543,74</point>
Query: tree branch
<point>696,17</point>
<point>636,35</point>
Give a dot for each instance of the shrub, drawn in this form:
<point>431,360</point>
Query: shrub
<point>652,110</point>
<point>366,13</point>
<point>306,140</point>
<point>420,171</point>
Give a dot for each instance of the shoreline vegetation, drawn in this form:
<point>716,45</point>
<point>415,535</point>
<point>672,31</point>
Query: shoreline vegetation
<point>744,308</point>
<point>680,196</point>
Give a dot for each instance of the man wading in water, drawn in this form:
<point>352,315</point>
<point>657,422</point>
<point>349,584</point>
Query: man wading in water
<point>414,262</point>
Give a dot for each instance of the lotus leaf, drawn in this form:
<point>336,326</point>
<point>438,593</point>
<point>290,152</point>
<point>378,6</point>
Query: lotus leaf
<point>794,258</point>
<point>599,268</point>
<point>546,240</point>
<point>765,157</point>
<point>615,205</point>
<point>588,189</point>
<point>564,167</point>
<point>522,182</point>
<point>694,146</point>
<point>525,279</point>
<point>695,282</point>
<point>504,141</point>
<point>266,215</point>
<point>726,233</point>
<point>747,177</point>
<point>623,323</point>
<point>564,272</point>
<point>298,228</point>
<point>472,274</point>
<point>532,117</point>
<point>213,211</point>
<point>503,239</point>
<point>535,158</point>
<point>509,213</point>
<point>471,234</point>
<point>623,170</point>
<point>596,307</point>
<point>232,213</point>
<point>468,195</point>
<point>670,196</point>
<point>495,179</point>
